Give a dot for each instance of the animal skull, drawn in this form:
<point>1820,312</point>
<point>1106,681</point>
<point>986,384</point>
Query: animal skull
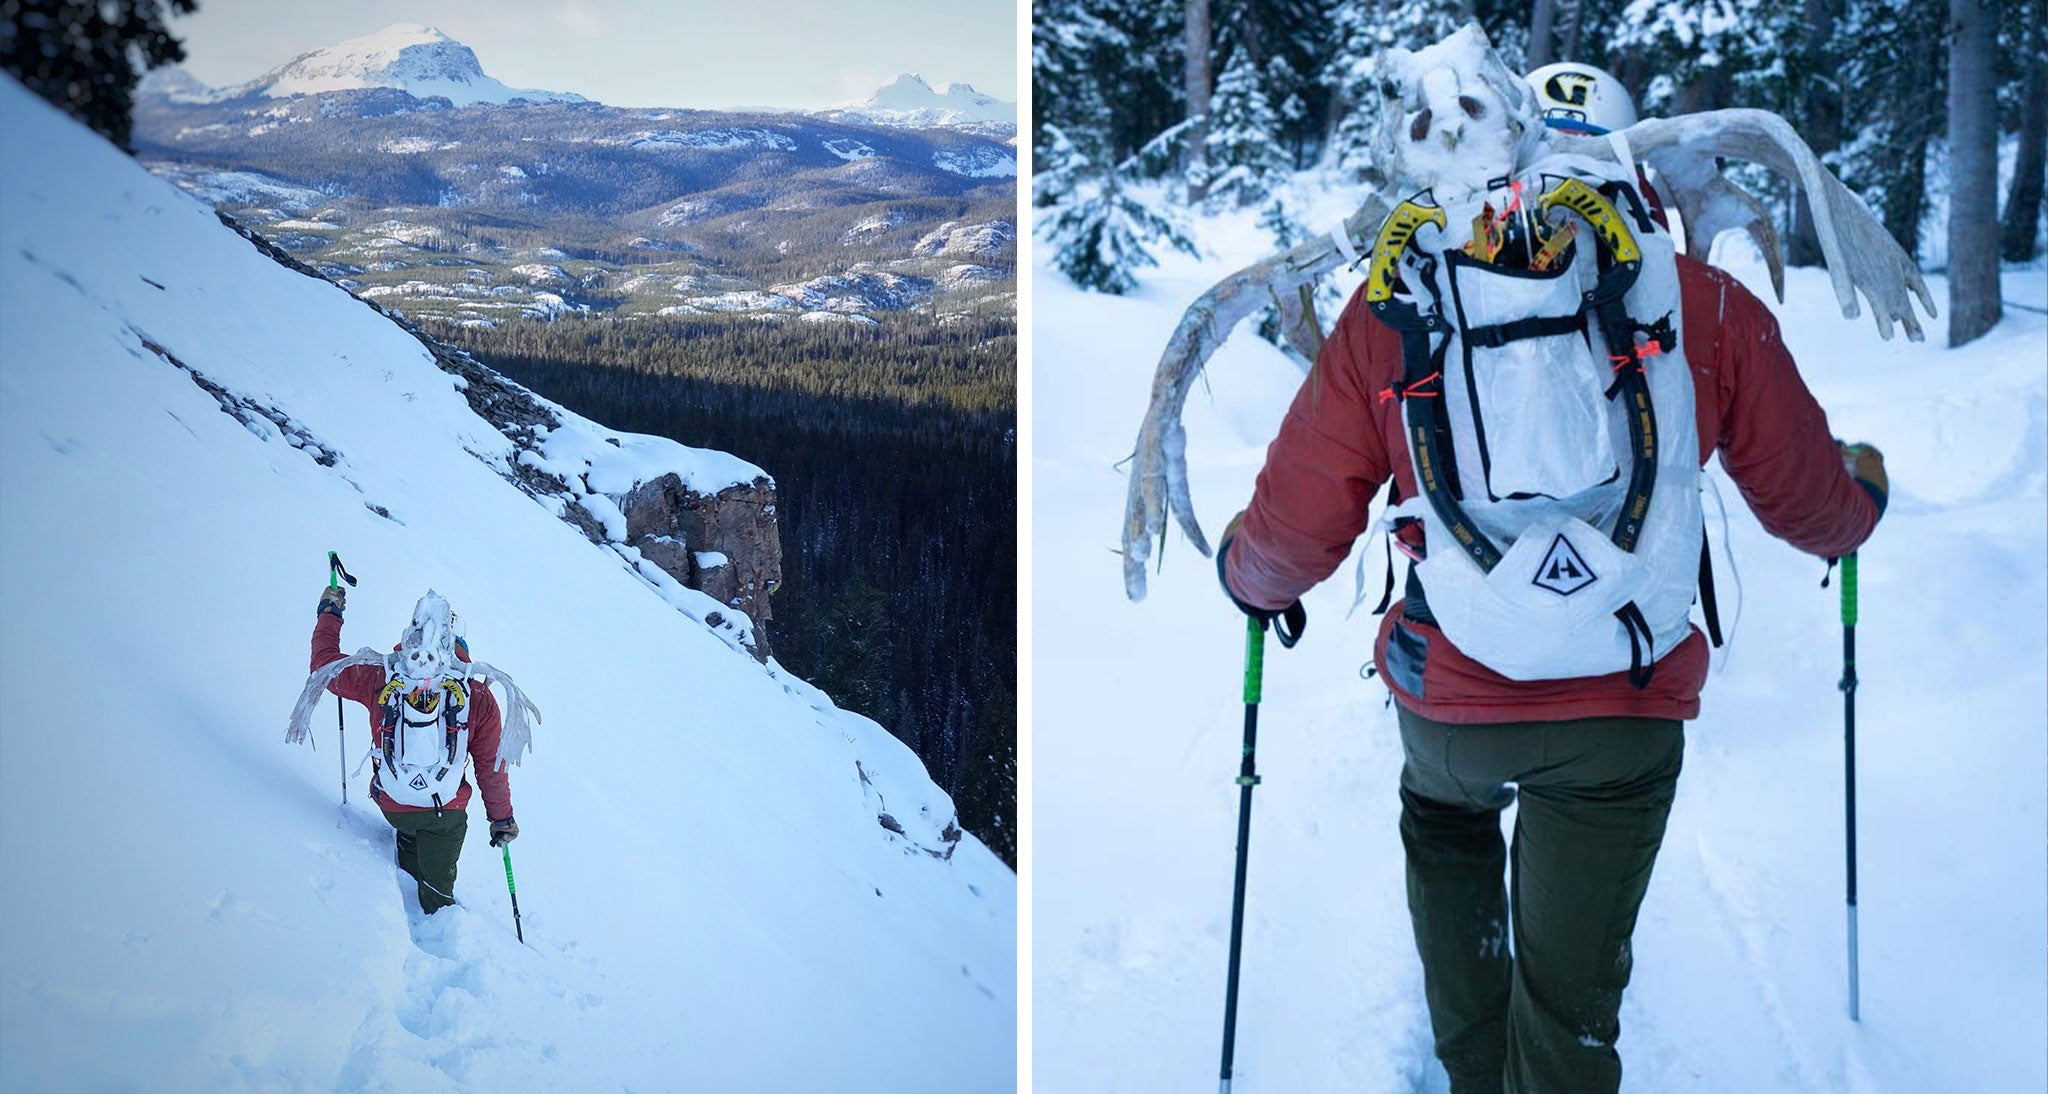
<point>1452,117</point>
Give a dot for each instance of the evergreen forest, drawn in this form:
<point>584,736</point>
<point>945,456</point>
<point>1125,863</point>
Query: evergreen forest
<point>893,448</point>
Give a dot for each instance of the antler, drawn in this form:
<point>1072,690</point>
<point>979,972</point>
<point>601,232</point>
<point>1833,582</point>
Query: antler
<point>1159,470</point>
<point>1711,205</point>
<point>1860,254</point>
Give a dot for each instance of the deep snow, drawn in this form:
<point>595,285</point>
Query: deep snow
<point>1739,973</point>
<point>710,899</point>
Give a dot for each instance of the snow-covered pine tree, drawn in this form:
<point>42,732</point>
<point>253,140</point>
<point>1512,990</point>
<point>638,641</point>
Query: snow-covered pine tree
<point>1294,132</point>
<point>1244,154</point>
<point>1090,53</point>
<point>1065,38</point>
<point>1099,234</point>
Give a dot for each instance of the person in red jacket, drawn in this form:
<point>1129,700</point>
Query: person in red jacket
<point>1596,760</point>
<point>429,720</point>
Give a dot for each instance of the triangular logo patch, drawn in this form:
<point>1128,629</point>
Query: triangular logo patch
<point>1563,571</point>
<point>419,782</point>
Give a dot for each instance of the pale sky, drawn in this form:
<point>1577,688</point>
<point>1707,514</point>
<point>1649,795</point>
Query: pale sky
<point>681,53</point>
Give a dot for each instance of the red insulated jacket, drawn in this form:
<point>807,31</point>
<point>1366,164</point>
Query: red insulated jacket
<point>362,683</point>
<point>1339,444</point>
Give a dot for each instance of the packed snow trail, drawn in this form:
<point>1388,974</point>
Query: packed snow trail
<point>710,902</point>
<point>1740,954</point>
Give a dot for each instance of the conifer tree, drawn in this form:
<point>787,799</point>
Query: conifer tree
<point>1244,153</point>
<point>76,54</point>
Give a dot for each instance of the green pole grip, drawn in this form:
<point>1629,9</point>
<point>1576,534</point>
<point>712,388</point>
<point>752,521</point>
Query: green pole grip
<point>509,886</point>
<point>333,571</point>
<point>1254,659</point>
<point>1849,589</point>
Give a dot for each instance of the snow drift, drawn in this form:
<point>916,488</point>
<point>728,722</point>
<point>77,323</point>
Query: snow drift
<point>727,883</point>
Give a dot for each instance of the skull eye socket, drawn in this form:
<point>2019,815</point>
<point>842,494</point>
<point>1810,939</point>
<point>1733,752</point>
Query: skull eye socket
<point>1419,128</point>
<point>1472,107</point>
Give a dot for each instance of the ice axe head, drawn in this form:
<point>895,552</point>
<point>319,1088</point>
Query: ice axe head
<point>334,569</point>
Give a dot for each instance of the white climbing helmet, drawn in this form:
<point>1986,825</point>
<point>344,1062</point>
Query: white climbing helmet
<point>1576,98</point>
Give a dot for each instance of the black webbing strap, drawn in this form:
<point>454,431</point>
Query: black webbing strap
<point>1633,387</point>
<point>1707,603</point>
<point>1642,652</point>
<point>1387,594</point>
<point>1536,326</point>
<point>1436,468</point>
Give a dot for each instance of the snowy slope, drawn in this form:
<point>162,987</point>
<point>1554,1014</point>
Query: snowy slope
<point>1739,974</point>
<point>710,900</point>
<point>420,60</point>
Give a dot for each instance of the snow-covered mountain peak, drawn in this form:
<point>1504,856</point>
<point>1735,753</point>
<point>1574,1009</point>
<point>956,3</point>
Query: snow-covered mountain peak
<point>911,91</point>
<point>413,57</point>
<point>911,101</point>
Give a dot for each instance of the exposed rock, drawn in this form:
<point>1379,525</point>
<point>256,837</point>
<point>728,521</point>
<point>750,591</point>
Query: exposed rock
<point>859,289</point>
<point>965,274</point>
<point>953,238</point>
<point>679,529</point>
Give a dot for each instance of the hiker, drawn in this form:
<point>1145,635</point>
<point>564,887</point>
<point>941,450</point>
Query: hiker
<point>432,715</point>
<point>1582,714</point>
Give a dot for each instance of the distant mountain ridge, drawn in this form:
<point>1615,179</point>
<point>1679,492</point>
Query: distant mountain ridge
<point>393,165</point>
<point>426,63</point>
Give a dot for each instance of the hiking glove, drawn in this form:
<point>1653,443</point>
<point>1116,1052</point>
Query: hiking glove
<point>1866,464</point>
<point>1287,622</point>
<point>504,831</point>
<point>333,601</point>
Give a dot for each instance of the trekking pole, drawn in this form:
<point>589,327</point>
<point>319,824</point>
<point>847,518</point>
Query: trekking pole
<point>514,890</point>
<point>336,569</point>
<point>1247,777</point>
<point>1848,686</point>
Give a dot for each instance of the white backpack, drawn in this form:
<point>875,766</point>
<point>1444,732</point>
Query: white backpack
<point>425,754</point>
<point>1549,415</point>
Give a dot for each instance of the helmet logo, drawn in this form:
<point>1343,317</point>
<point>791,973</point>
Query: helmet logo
<point>1569,88</point>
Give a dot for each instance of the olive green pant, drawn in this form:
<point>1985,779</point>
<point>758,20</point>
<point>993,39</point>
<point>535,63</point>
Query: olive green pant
<point>1542,1017</point>
<point>428,846</point>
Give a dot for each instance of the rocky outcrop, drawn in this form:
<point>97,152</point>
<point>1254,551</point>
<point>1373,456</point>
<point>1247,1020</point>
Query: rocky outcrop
<point>724,545</point>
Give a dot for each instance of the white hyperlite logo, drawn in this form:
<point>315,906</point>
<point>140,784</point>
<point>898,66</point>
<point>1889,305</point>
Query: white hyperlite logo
<point>1562,571</point>
<point>419,782</point>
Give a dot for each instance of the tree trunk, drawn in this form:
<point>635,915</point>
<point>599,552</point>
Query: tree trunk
<point>1973,304</point>
<point>2023,201</point>
<point>1574,22</point>
<point>1820,107</point>
<point>1542,27</point>
<point>1197,83</point>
